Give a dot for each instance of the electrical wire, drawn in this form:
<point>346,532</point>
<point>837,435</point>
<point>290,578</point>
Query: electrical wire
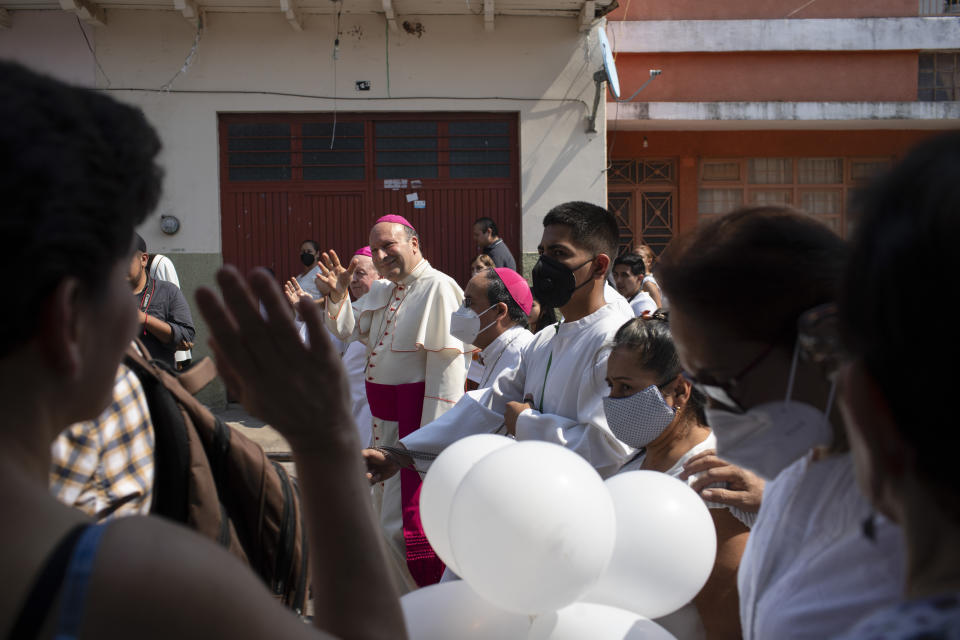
<point>190,56</point>
<point>336,56</point>
<point>288,94</point>
<point>92,52</point>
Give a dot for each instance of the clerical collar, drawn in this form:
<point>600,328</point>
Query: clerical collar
<point>416,273</point>
<point>500,343</point>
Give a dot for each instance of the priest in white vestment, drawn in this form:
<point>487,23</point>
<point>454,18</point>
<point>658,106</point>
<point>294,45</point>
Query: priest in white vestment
<point>415,370</point>
<point>493,318</point>
<point>556,392</point>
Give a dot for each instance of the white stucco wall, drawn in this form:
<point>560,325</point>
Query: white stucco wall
<point>539,67</point>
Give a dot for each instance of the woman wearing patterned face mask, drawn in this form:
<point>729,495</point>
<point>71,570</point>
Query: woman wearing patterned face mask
<point>654,408</point>
<point>740,289</point>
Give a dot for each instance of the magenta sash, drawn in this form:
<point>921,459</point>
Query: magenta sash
<point>403,403</point>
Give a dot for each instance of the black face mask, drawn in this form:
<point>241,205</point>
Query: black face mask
<point>307,258</point>
<point>554,282</point>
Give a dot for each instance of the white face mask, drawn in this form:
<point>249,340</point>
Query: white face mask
<point>465,324</point>
<point>639,419</point>
<point>769,437</point>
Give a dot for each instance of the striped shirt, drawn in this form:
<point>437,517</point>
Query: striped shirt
<point>104,467</point>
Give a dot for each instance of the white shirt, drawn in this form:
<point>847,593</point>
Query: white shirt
<point>641,302</point>
<point>564,371</point>
<point>502,354</point>
<point>611,295</point>
<point>163,269</point>
<point>308,282</point>
<point>808,571</point>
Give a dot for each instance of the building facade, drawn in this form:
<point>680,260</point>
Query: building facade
<point>284,121</point>
<point>792,102</point>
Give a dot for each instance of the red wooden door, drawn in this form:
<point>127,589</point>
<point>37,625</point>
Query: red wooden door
<point>286,178</point>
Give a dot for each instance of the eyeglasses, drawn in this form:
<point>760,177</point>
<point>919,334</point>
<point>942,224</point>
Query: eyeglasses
<point>721,391</point>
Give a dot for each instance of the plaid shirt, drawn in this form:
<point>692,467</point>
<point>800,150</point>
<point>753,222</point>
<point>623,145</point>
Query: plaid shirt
<point>104,467</point>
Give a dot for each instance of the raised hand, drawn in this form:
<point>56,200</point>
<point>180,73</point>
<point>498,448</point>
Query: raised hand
<point>333,279</point>
<point>300,390</point>
<point>744,489</point>
<point>295,292</point>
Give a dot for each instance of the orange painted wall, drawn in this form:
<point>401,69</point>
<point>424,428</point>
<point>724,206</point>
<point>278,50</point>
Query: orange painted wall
<point>760,9</point>
<point>762,76</point>
<point>688,147</point>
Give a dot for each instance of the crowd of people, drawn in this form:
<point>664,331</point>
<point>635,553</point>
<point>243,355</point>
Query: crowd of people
<point>783,382</point>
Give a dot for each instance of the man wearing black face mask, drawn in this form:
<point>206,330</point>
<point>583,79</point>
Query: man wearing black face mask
<point>556,392</point>
<point>309,254</point>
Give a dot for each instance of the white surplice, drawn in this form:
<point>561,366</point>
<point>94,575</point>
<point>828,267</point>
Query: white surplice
<point>502,354</point>
<point>568,398</point>
<point>406,329</point>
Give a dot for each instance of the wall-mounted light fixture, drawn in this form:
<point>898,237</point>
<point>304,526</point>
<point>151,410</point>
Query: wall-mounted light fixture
<point>169,224</point>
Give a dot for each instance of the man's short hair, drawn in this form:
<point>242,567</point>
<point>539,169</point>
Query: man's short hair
<point>140,243</point>
<point>591,227</point>
<point>634,261</point>
<point>312,243</point>
<point>78,173</point>
<point>488,223</point>
<point>497,292</point>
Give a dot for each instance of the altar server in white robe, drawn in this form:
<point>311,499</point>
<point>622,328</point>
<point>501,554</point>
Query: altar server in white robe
<point>556,392</point>
<point>415,370</point>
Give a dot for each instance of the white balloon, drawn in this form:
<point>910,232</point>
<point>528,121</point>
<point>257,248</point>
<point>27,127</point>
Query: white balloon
<point>441,482</point>
<point>532,527</point>
<point>596,622</point>
<point>665,549</point>
<point>452,610</point>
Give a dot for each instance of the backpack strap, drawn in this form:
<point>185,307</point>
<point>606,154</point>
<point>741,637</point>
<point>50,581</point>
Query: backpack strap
<point>46,587</point>
<point>73,602</point>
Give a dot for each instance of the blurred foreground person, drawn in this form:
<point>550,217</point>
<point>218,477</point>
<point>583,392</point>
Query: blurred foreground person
<point>653,408</point>
<point>807,571</point>
<point>904,447</point>
<point>79,171</point>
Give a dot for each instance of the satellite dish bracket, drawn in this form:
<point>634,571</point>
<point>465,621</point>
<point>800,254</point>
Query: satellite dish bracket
<point>599,78</point>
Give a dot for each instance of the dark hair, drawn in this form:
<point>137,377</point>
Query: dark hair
<point>754,271</point>
<point>592,227</point>
<point>548,316</point>
<point>312,243</point>
<point>488,223</point>
<point>139,243</point>
<point>650,341</point>
<point>902,253</point>
<point>78,173</point>
<point>497,292</point>
<point>634,261</point>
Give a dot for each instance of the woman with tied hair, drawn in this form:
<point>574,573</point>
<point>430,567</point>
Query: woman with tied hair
<point>740,288</point>
<point>78,172</point>
<point>653,408</point>
<point>896,389</point>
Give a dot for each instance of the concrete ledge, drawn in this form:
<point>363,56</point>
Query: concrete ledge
<point>783,115</point>
<point>835,34</point>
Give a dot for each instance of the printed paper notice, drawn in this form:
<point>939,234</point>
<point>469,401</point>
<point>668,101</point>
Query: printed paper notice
<point>420,204</point>
<point>411,197</point>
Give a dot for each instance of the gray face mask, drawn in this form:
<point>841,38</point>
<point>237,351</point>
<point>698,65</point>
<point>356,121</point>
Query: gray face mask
<point>639,419</point>
<point>769,437</point>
